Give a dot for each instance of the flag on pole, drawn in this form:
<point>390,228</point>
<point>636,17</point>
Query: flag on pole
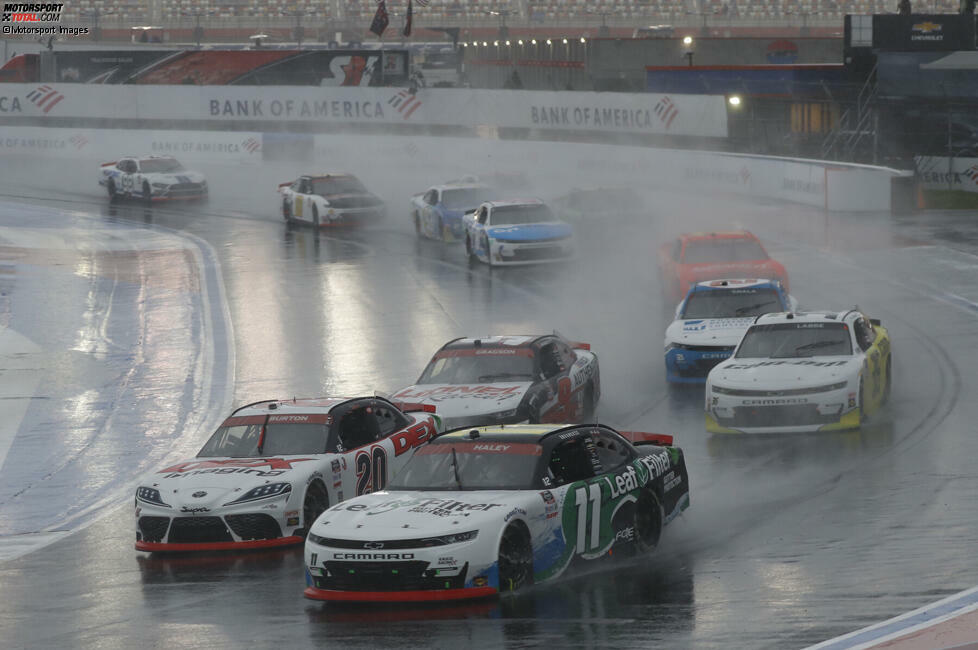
<point>381,19</point>
<point>407,19</point>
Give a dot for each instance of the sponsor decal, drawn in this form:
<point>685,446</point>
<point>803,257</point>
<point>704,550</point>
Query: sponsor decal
<point>45,98</point>
<point>199,494</point>
<point>495,351</point>
<point>480,581</point>
<point>657,463</point>
<point>450,507</point>
<point>582,372</point>
<point>927,31</point>
<point>491,447</point>
<point>405,103</point>
<point>625,534</point>
<point>78,141</point>
<point>288,418</point>
<point>661,116</point>
<point>515,512</point>
<point>462,392</point>
<point>320,109</point>
<point>252,466</point>
<point>447,561</point>
<point>666,111</point>
<point>334,465</point>
<point>623,483</point>
<point>672,480</point>
<point>374,546</point>
<point>194,510</point>
<point>773,402</point>
<point>251,145</point>
<point>694,326</point>
<point>800,185</point>
<point>373,556</point>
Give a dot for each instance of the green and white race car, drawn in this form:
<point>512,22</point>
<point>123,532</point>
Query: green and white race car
<point>478,511</point>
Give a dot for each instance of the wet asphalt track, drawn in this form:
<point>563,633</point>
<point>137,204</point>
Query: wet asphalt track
<point>789,540</point>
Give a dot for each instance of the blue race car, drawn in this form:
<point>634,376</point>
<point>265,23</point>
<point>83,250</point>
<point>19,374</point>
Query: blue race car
<point>711,320</point>
<point>518,231</point>
<point>437,213</point>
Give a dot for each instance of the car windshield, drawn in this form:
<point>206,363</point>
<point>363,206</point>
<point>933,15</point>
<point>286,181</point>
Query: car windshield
<point>337,185</point>
<point>470,466</point>
<point>281,439</point>
<point>159,166</point>
<point>511,215</point>
<point>472,366</point>
<point>791,340</point>
<point>712,251</point>
<point>469,197</point>
<point>733,303</point>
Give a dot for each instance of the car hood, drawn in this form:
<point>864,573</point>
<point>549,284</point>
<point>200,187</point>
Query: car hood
<point>173,179</point>
<point>724,332</point>
<point>530,232</point>
<point>405,515</point>
<point>224,479</point>
<point>784,374</point>
<point>466,400</point>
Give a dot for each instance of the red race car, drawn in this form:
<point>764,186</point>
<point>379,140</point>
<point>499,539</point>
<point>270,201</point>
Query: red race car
<point>696,257</point>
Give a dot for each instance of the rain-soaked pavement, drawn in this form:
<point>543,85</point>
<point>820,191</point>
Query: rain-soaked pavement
<point>127,341</point>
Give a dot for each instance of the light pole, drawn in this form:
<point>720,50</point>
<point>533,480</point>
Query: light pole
<point>95,14</point>
<point>198,30</point>
<point>688,44</point>
<point>297,31</point>
<point>503,29</point>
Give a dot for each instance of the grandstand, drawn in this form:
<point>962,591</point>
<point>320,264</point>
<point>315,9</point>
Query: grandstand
<point>475,18</point>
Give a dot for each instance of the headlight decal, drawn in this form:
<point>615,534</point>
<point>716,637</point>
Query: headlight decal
<point>266,491</point>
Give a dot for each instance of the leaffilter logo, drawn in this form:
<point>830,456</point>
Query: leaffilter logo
<point>666,111</point>
<point>45,98</point>
<point>28,12</point>
<point>405,103</point>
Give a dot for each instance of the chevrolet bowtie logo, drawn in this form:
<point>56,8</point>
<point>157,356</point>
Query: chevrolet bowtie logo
<point>927,27</point>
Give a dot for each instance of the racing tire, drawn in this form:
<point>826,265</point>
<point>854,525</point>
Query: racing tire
<point>444,230</point>
<point>862,403</point>
<point>485,244</point>
<point>469,252</point>
<point>113,197</point>
<point>417,222</point>
<point>286,211</point>
<point>515,560</point>
<point>147,194</point>
<point>887,381</point>
<point>315,504</point>
<point>648,521</point>
<point>315,217</point>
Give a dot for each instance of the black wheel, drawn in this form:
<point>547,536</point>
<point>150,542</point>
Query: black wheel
<point>286,210</point>
<point>444,231</point>
<point>147,194</point>
<point>515,558</point>
<point>648,521</point>
<point>469,252</point>
<point>315,504</point>
<point>417,223</point>
<point>862,403</point>
<point>485,245</point>
<point>315,216</point>
<point>113,197</point>
<point>887,381</point>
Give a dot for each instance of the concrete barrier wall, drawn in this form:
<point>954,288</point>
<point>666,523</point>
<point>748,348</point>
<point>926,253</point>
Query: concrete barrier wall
<point>827,185</point>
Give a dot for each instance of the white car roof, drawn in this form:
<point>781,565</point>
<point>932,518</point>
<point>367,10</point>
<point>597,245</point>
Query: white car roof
<point>304,405</point>
<point>512,202</point>
<point>459,186</point>
<point>807,317</point>
<point>734,283</point>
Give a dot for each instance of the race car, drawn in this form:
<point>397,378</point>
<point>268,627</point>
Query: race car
<point>695,257</point>
<point>712,319</point>
<point>494,509</point>
<point>334,199</point>
<point>272,467</point>
<point>151,179</point>
<point>508,379</point>
<point>798,372</point>
<point>522,231</point>
<point>437,213</point>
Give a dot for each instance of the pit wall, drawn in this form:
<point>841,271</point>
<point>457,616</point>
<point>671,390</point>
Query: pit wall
<point>831,186</point>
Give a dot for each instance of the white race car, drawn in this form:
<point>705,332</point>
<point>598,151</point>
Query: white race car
<point>151,178</point>
<point>798,372</point>
<point>493,509</point>
<point>508,379</point>
<point>712,319</point>
<point>272,467</point>
<point>521,231</point>
<point>335,199</point>
<point>437,213</point>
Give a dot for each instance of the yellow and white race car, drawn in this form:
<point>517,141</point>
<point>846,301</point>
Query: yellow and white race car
<point>797,372</point>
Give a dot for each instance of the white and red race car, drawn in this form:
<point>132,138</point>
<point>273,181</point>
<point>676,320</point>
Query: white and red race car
<point>151,178</point>
<point>272,467</point>
<point>509,379</point>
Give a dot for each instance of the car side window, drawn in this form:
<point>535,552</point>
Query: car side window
<point>865,336</point>
<point>611,450</point>
<point>567,356</point>
<point>304,186</point>
<point>483,215</point>
<point>431,198</point>
<point>677,249</point>
<point>358,427</point>
<point>570,461</point>
<point>550,362</point>
<point>388,420</point>
<point>128,166</point>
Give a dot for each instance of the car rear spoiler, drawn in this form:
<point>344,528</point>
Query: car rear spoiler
<point>108,164</point>
<point>644,438</point>
<point>578,345</point>
<point>415,406</point>
<point>875,322</point>
<point>285,184</point>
